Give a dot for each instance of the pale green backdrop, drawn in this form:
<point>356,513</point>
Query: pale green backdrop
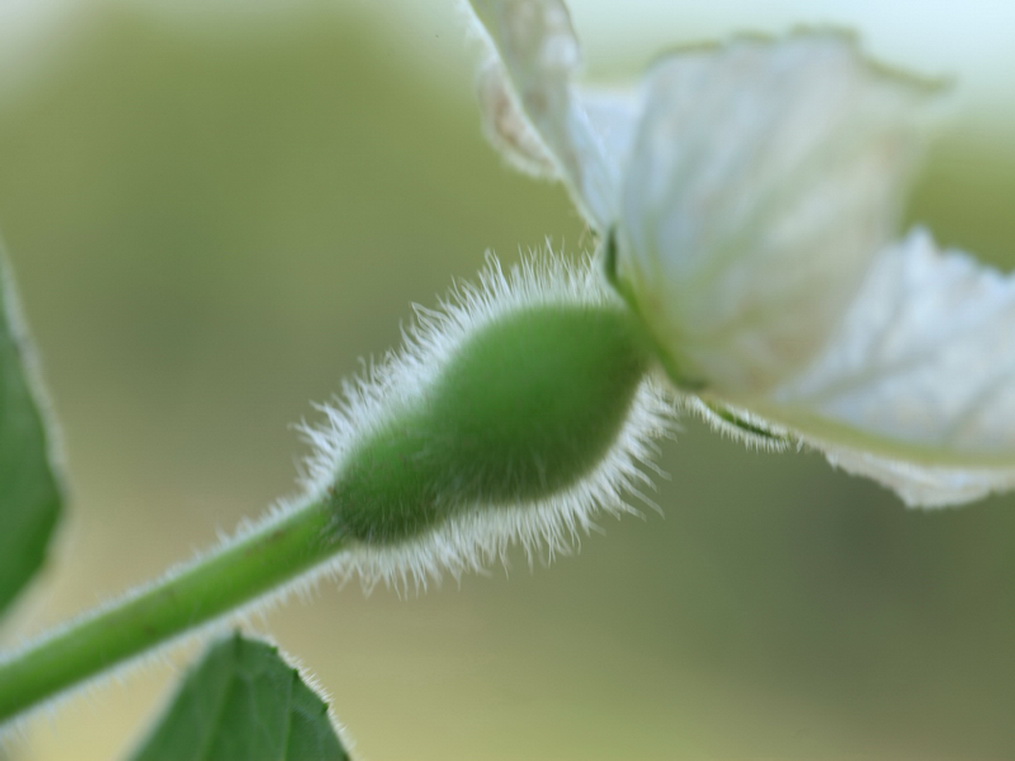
<point>212,221</point>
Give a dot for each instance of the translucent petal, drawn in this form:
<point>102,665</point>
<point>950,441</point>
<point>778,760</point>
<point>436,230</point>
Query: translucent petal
<point>924,485</point>
<point>764,177</point>
<point>507,127</point>
<point>916,387</point>
<point>537,118</point>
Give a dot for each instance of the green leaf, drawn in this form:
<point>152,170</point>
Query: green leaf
<point>243,702</point>
<point>30,499</point>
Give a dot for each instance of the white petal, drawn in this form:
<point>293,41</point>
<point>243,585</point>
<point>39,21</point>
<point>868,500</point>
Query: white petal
<point>764,177</point>
<point>916,387</point>
<point>537,117</point>
<point>508,129</point>
<point>923,485</point>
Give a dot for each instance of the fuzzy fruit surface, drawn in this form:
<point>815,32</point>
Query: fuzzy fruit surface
<point>528,406</point>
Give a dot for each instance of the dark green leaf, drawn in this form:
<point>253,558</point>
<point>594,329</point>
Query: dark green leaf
<point>30,498</point>
<point>243,702</point>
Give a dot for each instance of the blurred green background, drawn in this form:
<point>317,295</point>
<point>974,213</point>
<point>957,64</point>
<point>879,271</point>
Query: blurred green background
<point>213,217</point>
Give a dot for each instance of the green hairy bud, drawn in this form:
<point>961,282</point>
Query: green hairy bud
<point>527,408</point>
<point>519,412</point>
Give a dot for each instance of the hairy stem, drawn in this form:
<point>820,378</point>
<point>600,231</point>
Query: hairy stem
<point>526,408</point>
<point>258,563</point>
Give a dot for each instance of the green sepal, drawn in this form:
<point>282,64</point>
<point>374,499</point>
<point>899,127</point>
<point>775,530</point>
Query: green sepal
<point>607,254</point>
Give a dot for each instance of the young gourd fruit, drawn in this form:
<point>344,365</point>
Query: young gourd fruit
<point>527,407</point>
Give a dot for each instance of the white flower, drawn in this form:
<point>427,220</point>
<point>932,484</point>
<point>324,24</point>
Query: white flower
<point>750,193</point>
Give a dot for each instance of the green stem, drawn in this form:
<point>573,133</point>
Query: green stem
<point>238,573</point>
